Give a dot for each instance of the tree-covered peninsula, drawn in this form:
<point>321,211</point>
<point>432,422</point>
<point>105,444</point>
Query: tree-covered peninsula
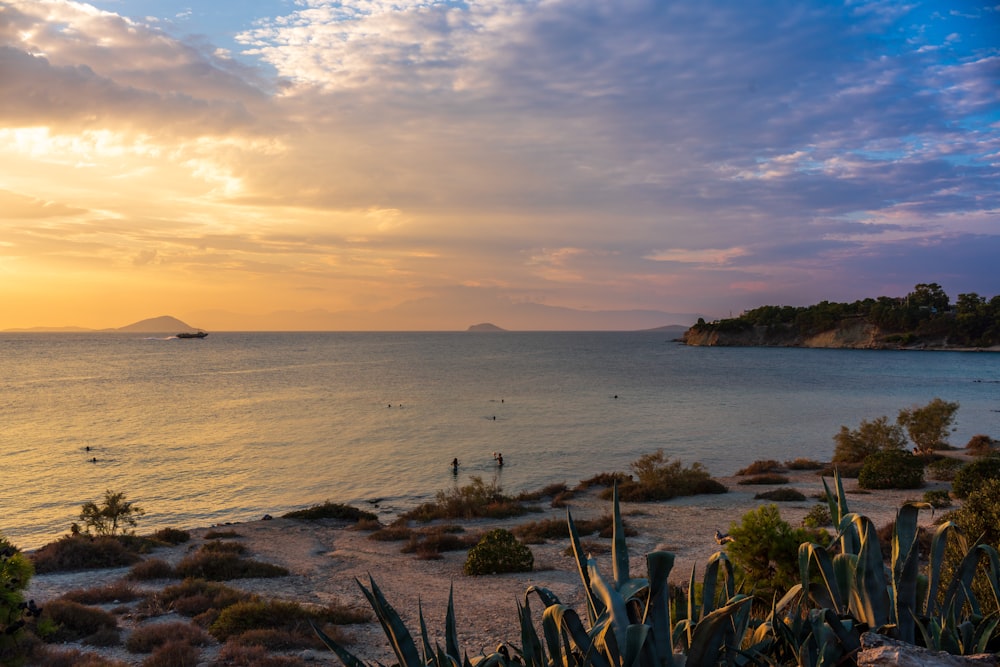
<point>923,319</point>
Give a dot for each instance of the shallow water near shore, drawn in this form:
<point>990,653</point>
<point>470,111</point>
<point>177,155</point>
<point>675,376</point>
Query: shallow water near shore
<point>241,424</point>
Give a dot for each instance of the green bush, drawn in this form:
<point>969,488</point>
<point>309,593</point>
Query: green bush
<point>929,426</point>
<point>660,479</point>
<point>766,547</point>
<point>499,552</point>
<point>870,437</point>
<point>891,469</point>
<point>15,573</point>
<point>938,498</point>
<point>818,516</point>
<point>979,520</point>
<point>330,510</point>
<point>974,474</point>
<point>944,468</point>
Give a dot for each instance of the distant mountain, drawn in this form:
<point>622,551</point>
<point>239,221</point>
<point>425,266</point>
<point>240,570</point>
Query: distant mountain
<point>162,324</point>
<point>485,326</point>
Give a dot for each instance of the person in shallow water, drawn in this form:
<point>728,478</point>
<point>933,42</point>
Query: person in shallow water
<point>499,458</point>
<point>454,465</point>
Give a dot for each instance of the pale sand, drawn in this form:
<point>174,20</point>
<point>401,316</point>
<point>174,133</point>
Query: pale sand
<point>325,558</point>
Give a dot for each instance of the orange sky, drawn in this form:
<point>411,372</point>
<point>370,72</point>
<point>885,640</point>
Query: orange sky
<point>433,165</point>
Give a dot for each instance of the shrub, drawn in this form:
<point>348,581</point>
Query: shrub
<point>276,614</point>
<point>870,437</point>
<point>222,566</point>
<point>818,516</point>
<point>891,469</point>
<point>536,532</point>
<point>760,467</point>
<point>220,547</point>
<point>844,469</point>
<point>929,426</point>
<point>221,535</point>
<point>605,479</point>
<point>944,469</point>
<point>938,498</point>
<point>975,473</point>
<point>803,464</point>
<point>979,519</point>
<point>151,569</point>
<point>238,655</point>
<point>45,656</point>
<point>430,544</point>
<point>330,510</point>
<point>194,597</point>
<point>475,500</point>
<point>550,491</point>
<point>172,536</point>
<point>781,495</point>
<point>659,479</point>
<point>15,573</point>
<point>764,479</point>
<point>177,653</point>
<point>82,552</point>
<point>766,547</point>
<point>499,552</point>
<point>148,638</point>
<point>114,514</point>
<point>118,591</point>
<point>74,622</point>
<point>393,533</point>
<point>980,445</point>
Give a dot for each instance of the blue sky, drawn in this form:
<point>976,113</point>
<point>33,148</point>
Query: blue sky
<point>540,164</point>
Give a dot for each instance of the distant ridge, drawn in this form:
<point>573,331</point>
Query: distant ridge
<point>485,326</point>
<point>162,324</point>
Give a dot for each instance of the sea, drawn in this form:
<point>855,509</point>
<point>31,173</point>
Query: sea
<point>238,425</point>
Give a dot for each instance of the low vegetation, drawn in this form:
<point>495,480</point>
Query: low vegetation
<point>658,478</point>
<point>331,510</point>
<point>781,495</point>
<point>148,638</point>
<point>768,478</point>
<point>476,500</point>
<point>499,551</point>
<point>891,469</point>
<point>82,552</point>
<point>975,474</point>
<point>226,566</point>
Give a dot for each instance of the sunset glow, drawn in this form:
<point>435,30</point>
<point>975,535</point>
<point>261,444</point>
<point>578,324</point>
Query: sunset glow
<point>424,165</point>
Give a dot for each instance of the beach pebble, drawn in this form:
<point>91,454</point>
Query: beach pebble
<point>308,655</point>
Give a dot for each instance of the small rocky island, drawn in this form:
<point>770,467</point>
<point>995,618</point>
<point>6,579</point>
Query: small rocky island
<point>485,326</point>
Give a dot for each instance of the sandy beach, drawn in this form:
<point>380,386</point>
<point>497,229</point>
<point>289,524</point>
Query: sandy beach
<point>326,557</point>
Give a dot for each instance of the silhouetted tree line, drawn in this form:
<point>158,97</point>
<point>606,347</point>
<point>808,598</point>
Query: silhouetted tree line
<point>925,313</point>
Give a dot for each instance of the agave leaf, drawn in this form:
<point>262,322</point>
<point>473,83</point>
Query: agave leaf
<point>425,642</point>
<point>657,613</point>
<point>710,633</point>
<point>635,639</point>
<point>532,650</point>
<point>838,510</point>
<point>960,588</point>
<point>809,552</point>
<point>619,547</point>
<point>870,591</point>
<point>614,604</point>
<point>566,623</point>
<point>710,581</point>
<point>450,627</point>
<point>692,611</point>
<point>346,657</point>
<point>594,608</point>
<point>393,627</point>
<point>984,632</point>
<point>547,597</point>
<point>904,569</point>
<point>552,630</point>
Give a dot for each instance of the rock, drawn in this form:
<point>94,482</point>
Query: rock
<point>880,651</point>
<point>308,655</point>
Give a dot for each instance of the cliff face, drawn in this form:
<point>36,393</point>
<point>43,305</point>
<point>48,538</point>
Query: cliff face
<point>854,334</point>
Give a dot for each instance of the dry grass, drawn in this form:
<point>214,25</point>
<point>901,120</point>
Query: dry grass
<point>152,569</point>
<point>148,638</point>
<point>119,591</point>
<point>225,566</point>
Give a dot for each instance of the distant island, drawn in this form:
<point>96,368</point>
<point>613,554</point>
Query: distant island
<point>485,326</point>
<point>923,319</point>
<point>162,324</point>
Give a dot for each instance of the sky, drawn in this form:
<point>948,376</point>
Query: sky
<point>537,164</point>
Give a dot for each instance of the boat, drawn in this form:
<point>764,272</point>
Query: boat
<point>200,334</point>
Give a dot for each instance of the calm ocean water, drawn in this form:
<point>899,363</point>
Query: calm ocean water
<point>242,424</point>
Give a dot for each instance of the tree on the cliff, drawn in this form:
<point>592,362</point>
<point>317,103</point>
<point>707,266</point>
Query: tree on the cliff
<point>930,425</point>
<point>878,435</point>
